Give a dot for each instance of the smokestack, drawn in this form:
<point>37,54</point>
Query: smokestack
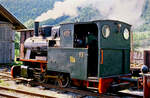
<point>36,28</point>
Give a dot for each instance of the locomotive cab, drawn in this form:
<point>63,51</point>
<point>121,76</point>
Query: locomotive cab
<point>92,52</point>
<point>92,49</point>
<point>78,51</point>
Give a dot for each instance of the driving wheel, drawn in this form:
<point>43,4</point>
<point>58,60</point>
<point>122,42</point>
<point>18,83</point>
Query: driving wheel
<point>63,80</point>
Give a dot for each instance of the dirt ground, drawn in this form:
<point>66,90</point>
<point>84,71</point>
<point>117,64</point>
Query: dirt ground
<point>38,89</point>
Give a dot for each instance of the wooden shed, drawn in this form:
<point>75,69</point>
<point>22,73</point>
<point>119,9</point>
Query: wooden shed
<point>24,34</point>
<point>8,25</point>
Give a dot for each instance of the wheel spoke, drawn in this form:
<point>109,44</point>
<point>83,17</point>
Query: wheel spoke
<point>64,81</point>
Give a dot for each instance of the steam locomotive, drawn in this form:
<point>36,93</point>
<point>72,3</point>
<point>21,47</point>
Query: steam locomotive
<point>86,54</point>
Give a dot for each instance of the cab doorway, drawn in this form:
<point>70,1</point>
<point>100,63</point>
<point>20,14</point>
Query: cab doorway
<point>86,36</point>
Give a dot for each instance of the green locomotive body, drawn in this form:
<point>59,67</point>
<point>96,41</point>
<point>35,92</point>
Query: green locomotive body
<point>107,55</point>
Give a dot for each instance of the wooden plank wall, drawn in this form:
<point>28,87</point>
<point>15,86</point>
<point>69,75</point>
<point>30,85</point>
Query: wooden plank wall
<point>24,35</point>
<point>7,37</point>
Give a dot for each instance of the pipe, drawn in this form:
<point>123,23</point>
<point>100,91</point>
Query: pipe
<point>129,80</point>
<point>36,28</point>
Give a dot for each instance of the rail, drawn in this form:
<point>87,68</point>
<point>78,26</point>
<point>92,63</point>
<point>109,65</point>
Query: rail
<point>23,92</point>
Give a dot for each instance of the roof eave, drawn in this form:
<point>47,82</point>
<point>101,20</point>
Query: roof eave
<point>16,23</point>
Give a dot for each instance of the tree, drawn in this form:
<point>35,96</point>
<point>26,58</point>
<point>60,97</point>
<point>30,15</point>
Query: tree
<point>29,23</point>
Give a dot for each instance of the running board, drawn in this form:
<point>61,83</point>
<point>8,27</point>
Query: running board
<point>93,79</point>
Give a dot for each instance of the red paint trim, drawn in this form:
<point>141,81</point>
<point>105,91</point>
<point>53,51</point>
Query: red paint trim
<point>42,65</point>
<point>77,82</point>
<point>84,83</point>
<point>102,57</point>
<point>95,84</point>
<point>12,73</point>
<point>30,60</point>
<point>87,84</point>
<point>146,85</point>
<point>104,84</point>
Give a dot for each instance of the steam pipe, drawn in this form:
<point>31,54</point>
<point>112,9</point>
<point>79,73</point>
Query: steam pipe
<point>36,28</point>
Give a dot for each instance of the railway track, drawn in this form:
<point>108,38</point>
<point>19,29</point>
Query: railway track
<point>121,94</point>
<point>82,93</point>
<point>20,92</point>
<point>7,95</point>
<point>6,75</point>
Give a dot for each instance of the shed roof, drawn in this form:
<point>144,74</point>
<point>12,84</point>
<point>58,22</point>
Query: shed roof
<point>5,15</point>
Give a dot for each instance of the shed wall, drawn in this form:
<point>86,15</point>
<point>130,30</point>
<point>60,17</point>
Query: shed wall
<point>7,37</point>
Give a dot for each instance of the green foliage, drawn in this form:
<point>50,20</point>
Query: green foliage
<point>28,9</point>
<point>29,23</point>
<point>17,63</point>
<point>144,27</point>
<point>54,21</point>
<point>17,52</point>
<point>17,44</point>
<point>146,17</point>
<point>3,83</point>
<point>17,40</point>
<point>141,40</point>
<point>87,14</point>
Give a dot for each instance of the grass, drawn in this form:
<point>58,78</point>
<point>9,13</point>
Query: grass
<point>3,83</point>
